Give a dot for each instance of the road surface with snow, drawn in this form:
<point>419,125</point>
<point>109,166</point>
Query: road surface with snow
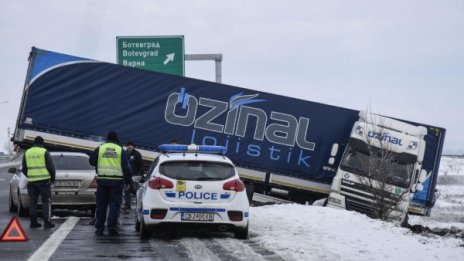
<point>277,232</point>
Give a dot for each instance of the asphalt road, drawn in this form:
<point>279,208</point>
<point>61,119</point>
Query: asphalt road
<point>81,242</point>
<point>18,250</point>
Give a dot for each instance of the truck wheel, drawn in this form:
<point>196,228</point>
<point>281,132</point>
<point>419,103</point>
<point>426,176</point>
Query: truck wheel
<point>250,189</point>
<point>326,201</point>
<point>241,233</point>
<point>405,222</point>
<point>145,232</point>
<point>13,208</point>
<point>22,211</point>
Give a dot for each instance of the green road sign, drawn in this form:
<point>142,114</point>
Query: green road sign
<point>156,53</point>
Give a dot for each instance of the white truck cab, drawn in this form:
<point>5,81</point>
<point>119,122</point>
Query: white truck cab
<point>371,137</point>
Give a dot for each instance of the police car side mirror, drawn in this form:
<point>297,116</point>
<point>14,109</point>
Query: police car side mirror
<point>12,170</point>
<point>137,179</point>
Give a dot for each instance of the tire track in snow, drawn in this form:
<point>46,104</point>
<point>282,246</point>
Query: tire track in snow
<point>198,245</point>
<point>264,252</point>
<point>228,248</point>
<point>197,250</point>
<point>168,249</point>
<point>236,249</point>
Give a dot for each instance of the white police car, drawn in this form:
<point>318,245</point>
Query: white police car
<point>192,185</point>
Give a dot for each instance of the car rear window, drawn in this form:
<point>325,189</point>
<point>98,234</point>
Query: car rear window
<point>66,162</point>
<point>197,170</point>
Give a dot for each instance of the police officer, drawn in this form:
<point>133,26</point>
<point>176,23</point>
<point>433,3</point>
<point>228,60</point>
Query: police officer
<point>136,164</point>
<point>113,172</point>
<point>40,172</point>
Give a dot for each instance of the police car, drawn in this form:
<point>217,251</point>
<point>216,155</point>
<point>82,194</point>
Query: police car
<point>192,185</point>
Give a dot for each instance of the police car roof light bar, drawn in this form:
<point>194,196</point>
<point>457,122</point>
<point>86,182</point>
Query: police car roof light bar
<point>192,148</point>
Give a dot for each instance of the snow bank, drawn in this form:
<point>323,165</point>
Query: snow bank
<point>297,232</point>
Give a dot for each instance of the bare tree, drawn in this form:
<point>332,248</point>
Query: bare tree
<point>381,174</point>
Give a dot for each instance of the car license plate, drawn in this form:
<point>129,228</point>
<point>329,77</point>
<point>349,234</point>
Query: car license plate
<point>67,183</point>
<point>197,216</point>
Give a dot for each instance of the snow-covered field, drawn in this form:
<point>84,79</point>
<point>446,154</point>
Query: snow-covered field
<point>297,232</point>
<point>449,207</point>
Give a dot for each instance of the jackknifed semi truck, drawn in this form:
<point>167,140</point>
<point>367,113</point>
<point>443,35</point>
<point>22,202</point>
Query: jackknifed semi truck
<point>278,143</point>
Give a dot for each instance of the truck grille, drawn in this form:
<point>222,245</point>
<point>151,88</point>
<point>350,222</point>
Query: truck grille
<point>353,190</point>
<point>356,204</point>
<point>360,206</point>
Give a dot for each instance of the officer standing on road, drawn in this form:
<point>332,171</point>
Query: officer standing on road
<point>40,172</point>
<point>136,164</point>
<point>113,172</point>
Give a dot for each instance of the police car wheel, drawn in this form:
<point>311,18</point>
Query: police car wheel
<point>137,224</point>
<point>241,233</point>
<point>145,233</point>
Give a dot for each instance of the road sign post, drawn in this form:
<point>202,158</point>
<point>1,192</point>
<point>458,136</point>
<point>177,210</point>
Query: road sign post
<point>217,58</point>
<point>156,53</point>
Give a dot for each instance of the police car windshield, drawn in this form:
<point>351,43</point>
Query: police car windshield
<point>197,170</point>
<point>67,162</point>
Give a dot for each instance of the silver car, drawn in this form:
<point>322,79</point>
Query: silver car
<point>74,188</point>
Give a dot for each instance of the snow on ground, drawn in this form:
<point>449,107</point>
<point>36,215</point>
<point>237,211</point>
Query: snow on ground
<point>298,232</point>
<point>450,165</point>
<point>449,207</point>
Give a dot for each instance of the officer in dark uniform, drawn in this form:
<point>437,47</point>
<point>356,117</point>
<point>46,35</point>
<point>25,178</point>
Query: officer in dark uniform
<point>136,164</point>
<point>113,171</point>
<point>40,172</point>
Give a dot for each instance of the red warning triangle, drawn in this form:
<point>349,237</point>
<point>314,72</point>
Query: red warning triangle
<point>9,235</point>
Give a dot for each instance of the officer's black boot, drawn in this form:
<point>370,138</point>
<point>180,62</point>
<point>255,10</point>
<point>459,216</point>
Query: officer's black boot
<point>34,223</point>
<point>48,224</point>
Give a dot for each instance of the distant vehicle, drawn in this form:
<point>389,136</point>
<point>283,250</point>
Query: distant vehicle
<point>190,185</point>
<point>74,188</point>
<point>371,137</point>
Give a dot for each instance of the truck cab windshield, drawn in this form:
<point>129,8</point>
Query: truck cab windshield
<point>385,166</point>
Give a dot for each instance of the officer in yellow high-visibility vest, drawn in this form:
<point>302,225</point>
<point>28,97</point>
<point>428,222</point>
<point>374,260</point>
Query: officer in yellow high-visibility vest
<point>40,172</point>
<point>113,172</point>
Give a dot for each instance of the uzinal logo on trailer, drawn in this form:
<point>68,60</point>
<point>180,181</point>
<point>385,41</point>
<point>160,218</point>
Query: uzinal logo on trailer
<point>286,129</point>
<point>384,137</point>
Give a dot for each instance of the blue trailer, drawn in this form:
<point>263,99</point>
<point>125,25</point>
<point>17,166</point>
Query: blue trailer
<point>276,141</point>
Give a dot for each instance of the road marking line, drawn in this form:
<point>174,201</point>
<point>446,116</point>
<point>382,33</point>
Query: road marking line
<point>49,247</point>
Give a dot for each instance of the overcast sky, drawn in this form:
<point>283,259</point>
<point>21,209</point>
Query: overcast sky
<point>401,58</point>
